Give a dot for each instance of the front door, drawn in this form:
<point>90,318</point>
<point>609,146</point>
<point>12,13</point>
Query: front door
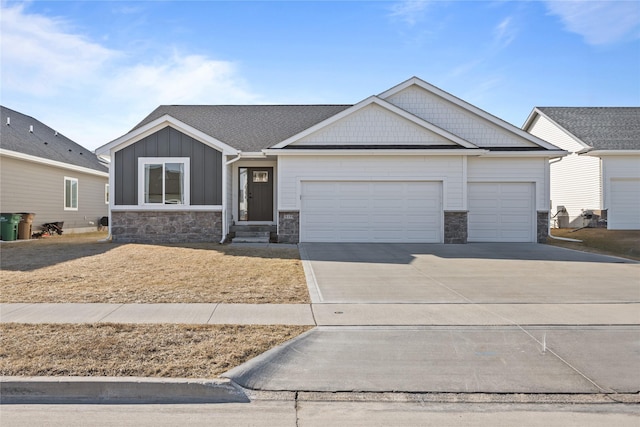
<point>256,194</point>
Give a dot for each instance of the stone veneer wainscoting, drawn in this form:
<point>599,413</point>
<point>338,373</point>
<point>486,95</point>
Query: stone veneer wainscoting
<point>455,227</point>
<point>166,226</point>
<point>288,227</point>
<point>543,226</point>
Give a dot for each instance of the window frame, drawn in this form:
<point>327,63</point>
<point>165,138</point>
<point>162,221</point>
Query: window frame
<point>186,187</point>
<point>77,191</point>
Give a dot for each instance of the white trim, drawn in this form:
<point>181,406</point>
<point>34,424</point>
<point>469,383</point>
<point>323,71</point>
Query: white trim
<point>159,124</point>
<point>469,107</point>
<point>386,105</point>
<point>548,154</point>
<point>600,153</point>
<point>377,152</point>
<point>64,194</point>
<point>186,161</point>
<point>55,163</point>
<point>161,208</point>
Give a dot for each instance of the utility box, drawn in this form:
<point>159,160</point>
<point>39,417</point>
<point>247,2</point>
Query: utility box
<point>562,217</point>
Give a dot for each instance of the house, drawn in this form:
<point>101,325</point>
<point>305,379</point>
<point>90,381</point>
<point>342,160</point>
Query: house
<point>602,173</point>
<point>46,173</point>
<point>412,164</point>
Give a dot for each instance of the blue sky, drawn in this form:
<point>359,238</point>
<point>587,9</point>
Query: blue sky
<point>94,69</point>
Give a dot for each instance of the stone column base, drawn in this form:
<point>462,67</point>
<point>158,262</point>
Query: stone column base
<point>455,227</point>
<point>542,230</point>
<point>288,227</point>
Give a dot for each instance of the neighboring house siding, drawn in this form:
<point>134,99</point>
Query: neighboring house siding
<point>205,165</point>
<point>511,169</point>
<point>373,125</point>
<point>293,169</point>
<point>37,188</point>
<point>456,120</point>
<point>575,180</point>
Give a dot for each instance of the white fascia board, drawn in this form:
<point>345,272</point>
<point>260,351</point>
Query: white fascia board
<point>43,161</point>
<point>158,124</point>
<point>543,153</point>
<point>556,124</point>
<point>469,107</point>
<point>386,105</point>
<point>603,153</point>
<point>376,152</point>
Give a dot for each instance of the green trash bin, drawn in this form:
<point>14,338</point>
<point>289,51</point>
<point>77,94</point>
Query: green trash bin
<point>9,226</point>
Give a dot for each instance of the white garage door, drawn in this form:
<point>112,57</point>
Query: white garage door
<point>501,212</point>
<point>624,206</point>
<point>379,211</point>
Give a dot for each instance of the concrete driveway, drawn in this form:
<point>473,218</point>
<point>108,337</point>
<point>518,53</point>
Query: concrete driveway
<point>482,273</point>
<point>476,318</point>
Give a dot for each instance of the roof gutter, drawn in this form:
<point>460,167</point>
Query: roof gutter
<point>598,153</point>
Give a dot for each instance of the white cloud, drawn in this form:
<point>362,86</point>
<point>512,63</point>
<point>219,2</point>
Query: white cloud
<point>90,92</point>
<point>39,55</point>
<point>410,11</point>
<point>599,22</point>
<point>504,33</point>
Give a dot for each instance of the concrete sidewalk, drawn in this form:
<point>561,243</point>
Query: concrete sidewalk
<point>327,314</point>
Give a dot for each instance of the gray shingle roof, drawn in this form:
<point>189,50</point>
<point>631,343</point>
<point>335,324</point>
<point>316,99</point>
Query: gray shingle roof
<point>603,128</point>
<point>248,128</point>
<point>43,142</point>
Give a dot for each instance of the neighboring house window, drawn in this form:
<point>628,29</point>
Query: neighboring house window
<point>163,181</point>
<point>70,194</point>
<point>106,194</point>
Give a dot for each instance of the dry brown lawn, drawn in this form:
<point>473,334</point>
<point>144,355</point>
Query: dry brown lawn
<point>134,350</point>
<point>79,268</point>
<point>623,243</point>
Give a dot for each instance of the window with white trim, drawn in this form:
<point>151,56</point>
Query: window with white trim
<point>163,181</point>
<point>70,194</point>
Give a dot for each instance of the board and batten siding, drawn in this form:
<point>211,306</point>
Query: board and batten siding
<point>205,165</point>
<point>38,188</point>
<point>455,119</point>
<point>294,169</point>
<point>575,180</point>
<point>511,169</point>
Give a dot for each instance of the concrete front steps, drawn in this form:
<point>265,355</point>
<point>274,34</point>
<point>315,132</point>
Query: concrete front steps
<point>253,233</point>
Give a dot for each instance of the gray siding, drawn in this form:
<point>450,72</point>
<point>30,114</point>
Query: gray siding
<point>39,189</point>
<point>206,166</point>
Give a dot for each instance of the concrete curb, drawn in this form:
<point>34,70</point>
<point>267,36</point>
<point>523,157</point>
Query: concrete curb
<point>114,390</point>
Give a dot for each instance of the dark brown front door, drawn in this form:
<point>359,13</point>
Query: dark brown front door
<point>256,194</point>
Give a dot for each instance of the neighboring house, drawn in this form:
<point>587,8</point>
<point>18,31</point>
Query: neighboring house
<point>413,164</point>
<point>46,173</point>
<point>602,173</point>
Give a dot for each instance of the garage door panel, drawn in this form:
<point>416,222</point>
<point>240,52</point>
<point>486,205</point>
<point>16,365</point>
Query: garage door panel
<point>501,212</point>
<point>371,212</point>
<point>624,205</point>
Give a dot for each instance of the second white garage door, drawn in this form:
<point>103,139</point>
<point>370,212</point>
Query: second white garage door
<point>624,206</point>
<point>501,212</point>
<point>371,211</point>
